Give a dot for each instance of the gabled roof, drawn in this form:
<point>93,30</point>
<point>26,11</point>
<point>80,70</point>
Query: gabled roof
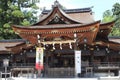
<point>67,16</point>
<point>81,15</point>
<point>55,14</point>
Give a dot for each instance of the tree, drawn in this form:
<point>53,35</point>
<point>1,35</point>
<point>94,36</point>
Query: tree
<point>113,14</point>
<point>116,13</point>
<point>115,32</point>
<point>19,12</point>
<point>108,16</point>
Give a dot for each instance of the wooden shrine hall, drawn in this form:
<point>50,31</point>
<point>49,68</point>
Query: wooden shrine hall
<point>62,31</point>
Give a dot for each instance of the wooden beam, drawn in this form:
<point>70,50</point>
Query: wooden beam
<point>58,42</point>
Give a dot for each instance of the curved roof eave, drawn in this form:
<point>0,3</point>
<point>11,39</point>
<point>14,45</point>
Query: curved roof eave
<point>44,18</point>
<point>49,26</point>
<point>107,23</point>
<point>107,26</point>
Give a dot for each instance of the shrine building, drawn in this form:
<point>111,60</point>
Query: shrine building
<point>60,32</point>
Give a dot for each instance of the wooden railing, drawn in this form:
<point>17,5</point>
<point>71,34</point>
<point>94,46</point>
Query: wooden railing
<point>66,71</point>
<point>23,65</point>
<point>59,72</point>
<point>107,64</point>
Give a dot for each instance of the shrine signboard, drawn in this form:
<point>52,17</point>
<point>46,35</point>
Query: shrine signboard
<point>78,62</point>
<point>39,58</point>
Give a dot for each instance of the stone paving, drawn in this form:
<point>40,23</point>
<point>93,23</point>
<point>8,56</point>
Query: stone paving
<point>100,78</point>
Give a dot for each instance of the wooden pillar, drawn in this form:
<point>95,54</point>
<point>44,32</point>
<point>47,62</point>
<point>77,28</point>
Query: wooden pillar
<point>46,63</point>
<point>91,57</point>
<point>52,58</point>
<point>13,58</point>
<point>25,56</point>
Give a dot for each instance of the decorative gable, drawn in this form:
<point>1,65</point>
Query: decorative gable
<point>56,20</point>
<point>57,16</point>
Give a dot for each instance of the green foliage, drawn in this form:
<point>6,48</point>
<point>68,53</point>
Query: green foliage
<point>35,7</point>
<point>6,25</point>
<point>115,32</point>
<point>13,7</point>
<point>113,14</point>
<point>108,16</point>
<point>18,12</point>
<point>0,10</point>
<point>116,12</point>
<point>116,9</point>
<point>25,23</point>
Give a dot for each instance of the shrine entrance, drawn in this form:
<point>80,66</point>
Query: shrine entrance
<point>60,65</point>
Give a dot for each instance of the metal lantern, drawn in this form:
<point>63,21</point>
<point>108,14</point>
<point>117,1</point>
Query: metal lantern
<point>5,62</point>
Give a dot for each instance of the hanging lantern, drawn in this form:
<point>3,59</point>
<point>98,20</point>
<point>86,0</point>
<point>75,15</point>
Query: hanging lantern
<point>53,46</point>
<point>38,37</point>
<point>60,46</point>
<point>70,45</point>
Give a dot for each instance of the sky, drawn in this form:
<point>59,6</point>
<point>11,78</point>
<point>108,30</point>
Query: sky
<point>99,6</point>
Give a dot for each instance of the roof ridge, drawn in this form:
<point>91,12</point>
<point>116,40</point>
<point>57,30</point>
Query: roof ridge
<point>88,9</point>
